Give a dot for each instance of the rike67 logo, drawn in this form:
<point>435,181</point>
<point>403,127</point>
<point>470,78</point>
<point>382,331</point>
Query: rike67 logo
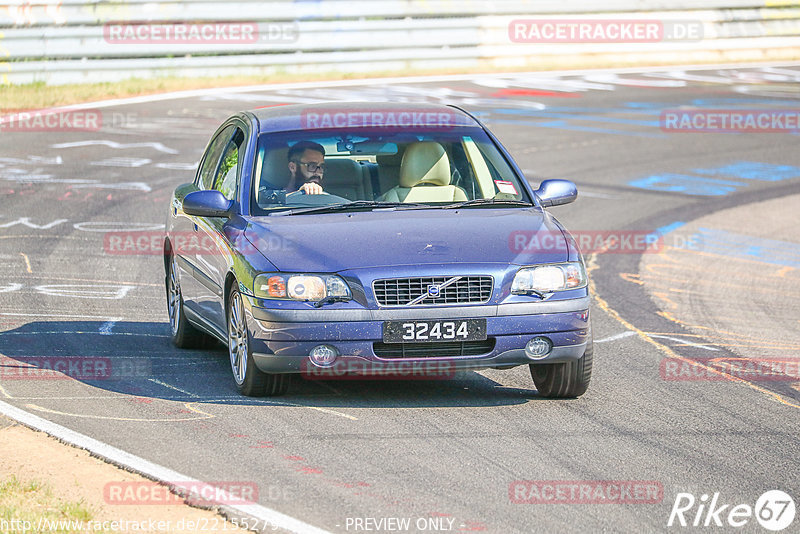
<point>774,510</point>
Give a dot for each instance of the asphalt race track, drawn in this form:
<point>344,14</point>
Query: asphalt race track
<point>450,454</point>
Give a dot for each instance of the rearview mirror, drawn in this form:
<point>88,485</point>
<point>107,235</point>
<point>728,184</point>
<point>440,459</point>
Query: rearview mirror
<point>209,203</point>
<point>556,192</point>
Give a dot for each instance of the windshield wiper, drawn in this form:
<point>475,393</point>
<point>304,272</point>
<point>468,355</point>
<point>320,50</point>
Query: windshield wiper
<point>542,295</point>
<point>355,205</point>
<point>488,202</point>
<point>330,300</point>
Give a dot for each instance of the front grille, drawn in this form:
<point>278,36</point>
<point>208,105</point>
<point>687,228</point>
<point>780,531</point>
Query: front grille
<point>441,349</point>
<point>402,291</point>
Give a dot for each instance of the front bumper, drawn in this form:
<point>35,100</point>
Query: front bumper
<point>281,339</point>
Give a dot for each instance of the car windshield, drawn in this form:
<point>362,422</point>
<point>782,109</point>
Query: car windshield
<point>365,169</point>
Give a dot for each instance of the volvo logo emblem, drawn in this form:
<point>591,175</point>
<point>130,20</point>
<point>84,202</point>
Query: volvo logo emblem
<point>433,291</point>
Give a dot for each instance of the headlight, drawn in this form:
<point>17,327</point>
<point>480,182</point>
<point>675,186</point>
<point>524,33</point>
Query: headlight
<point>303,287</point>
<point>549,278</point>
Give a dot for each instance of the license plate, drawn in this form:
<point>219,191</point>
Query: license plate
<point>432,331</point>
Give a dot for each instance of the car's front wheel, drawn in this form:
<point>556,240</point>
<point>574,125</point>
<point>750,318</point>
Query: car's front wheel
<point>250,380</point>
<point>565,379</point>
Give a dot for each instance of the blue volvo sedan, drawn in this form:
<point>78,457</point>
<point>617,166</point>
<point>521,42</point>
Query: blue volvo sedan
<point>374,240</point>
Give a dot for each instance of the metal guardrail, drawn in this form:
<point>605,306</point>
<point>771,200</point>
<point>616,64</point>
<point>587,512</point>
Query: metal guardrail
<point>73,40</point>
<point>47,12</point>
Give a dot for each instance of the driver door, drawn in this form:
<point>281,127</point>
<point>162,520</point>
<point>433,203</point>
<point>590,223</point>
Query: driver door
<point>215,255</point>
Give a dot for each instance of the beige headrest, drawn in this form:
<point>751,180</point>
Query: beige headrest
<point>424,162</point>
<point>341,170</point>
<point>275,169</point>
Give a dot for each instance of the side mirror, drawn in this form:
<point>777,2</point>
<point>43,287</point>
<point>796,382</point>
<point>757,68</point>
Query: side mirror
<point>209,203</point>
<point>556,192</point>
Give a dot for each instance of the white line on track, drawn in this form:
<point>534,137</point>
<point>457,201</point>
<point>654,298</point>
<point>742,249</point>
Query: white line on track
<point>137,354</point>
<point>684,342</point>
<point>65,316</point>
<point>140,334</point>
<point>168,386</point>
<point>273,402</point>
<point>616,337</point>
<point>591,194</point>
<point>114,144</point>
<point>155,471</point>
<point>324,410</point>
<point>75,397</point>
<point>195,399</point>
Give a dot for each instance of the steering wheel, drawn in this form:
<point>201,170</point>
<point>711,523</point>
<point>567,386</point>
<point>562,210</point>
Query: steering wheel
<point>301,192</point>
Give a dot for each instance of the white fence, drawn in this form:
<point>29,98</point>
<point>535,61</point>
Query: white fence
<point>77,40</point>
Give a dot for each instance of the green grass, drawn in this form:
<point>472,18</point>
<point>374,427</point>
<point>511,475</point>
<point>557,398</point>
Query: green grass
<point>32,502</point>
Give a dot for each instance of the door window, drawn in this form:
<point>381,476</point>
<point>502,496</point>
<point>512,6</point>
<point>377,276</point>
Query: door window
<point>211,158</point>
<point>228,173</point>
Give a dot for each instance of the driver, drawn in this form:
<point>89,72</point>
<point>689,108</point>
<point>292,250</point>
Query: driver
<point>306,167</point>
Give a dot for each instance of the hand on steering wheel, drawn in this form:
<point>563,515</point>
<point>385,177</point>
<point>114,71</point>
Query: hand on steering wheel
<point>311,188</point>
<point>300,192</point>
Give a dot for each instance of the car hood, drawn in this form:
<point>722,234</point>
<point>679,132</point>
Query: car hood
<point>341,241</point>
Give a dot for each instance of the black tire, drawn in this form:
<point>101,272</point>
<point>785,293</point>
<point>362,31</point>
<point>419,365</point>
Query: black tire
<point>184,334</point>
<point>563,380</point>
<point>250,380</point>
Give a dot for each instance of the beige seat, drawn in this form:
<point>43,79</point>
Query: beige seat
<point>425,176</point>
<point>347,178</point>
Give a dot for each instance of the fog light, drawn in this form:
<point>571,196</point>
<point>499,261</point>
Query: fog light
<point>323,355</point>
<point>538,347</point>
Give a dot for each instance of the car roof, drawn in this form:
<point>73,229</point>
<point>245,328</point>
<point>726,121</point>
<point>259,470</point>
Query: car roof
<point>291,117</point>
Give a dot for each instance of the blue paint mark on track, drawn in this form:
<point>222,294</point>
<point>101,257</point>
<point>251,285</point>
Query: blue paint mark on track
<point>689,184</point>
<point>669,228</point>
<point>750,170</point>
<point>658,233</point>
